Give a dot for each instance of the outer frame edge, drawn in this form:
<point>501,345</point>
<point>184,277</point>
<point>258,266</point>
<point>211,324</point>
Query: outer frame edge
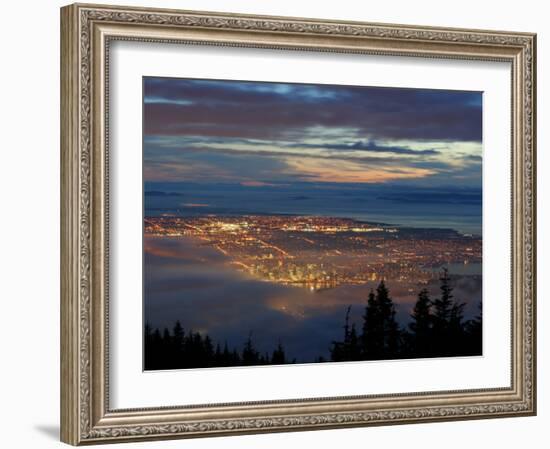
<point>69,129</point>
<point>70,238</point>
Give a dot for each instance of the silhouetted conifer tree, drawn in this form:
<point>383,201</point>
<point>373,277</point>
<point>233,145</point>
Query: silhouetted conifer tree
<point>149,350</point>
<point>235,358</point>
<point>390,334</point>
<point>371,338</point>
<point>158,351</point>
<point>218,361</point>
<point>449,332</point>
<point>339,350</point>
<point>250,355</point>
<point>457,334</point>
<point>278,357</point>
<point>353,347</point>
<point>474,341</point>
<point>208,351</point>
<point>227,358</point>
<point>394,335</point>
<point>178,337</point>
<point>421,340</point>
<point>443,304</point>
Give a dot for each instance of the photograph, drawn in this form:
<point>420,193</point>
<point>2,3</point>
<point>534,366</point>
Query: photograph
<point>283,223</point>
<point>288,223</point>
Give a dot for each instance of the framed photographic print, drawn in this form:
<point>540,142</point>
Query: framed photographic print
<point>278,224</point>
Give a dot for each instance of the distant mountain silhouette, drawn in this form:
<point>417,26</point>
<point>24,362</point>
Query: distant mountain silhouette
<point>160,193</point>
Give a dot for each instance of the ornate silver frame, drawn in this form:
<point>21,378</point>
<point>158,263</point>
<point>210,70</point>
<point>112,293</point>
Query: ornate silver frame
<point>86,32</point>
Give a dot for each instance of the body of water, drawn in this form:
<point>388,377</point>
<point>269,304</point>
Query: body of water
<point>424,208</point>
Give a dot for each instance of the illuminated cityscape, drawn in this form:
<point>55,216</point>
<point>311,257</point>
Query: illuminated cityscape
<point>324,252</point>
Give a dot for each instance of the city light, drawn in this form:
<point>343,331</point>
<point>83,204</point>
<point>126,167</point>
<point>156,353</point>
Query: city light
<point>324,252</point>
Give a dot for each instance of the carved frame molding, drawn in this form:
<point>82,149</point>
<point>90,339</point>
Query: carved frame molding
<point>87,31</point>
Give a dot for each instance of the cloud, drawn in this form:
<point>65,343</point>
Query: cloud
<point>160,100</point>
<point>253,161</point>
<point>253,133</point>
<point>274,110</point>
<point>259,184</point>
<point>366,150</point>
<point>473,157</point>
<point>249,166</point>
<point>325,170</point>
<point>370,146</point>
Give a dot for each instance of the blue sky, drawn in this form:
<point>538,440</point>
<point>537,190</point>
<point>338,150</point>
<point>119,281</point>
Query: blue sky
<point>261,134</point>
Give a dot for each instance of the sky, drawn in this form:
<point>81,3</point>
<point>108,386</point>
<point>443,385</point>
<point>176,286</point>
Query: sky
<point>257,134</point>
